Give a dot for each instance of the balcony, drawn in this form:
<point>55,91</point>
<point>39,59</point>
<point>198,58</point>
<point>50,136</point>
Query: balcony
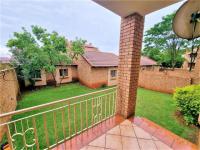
<point>102,119</point>
<point>87,121</point>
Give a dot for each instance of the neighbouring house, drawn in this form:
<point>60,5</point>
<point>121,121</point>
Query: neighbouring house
<point>97,68</point>
<point>187,59</point>
<point>148,63</point>
<point>63,74</point>
<point>93,69</point>
<point>5,63</point>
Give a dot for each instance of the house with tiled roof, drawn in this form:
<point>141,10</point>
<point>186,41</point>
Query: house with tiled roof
<point>96,68</point>
<point>5,62</point>
<point>93,69</point>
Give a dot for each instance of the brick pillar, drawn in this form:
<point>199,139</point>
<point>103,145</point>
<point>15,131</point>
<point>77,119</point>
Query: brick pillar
<point>129,63</point>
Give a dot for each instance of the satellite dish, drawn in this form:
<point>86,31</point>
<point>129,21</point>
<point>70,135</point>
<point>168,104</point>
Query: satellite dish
<point>186,23</point>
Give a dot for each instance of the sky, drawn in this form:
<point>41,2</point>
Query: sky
<point>70,18</point>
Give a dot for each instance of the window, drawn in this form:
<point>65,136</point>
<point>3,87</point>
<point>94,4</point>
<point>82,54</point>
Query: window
<point>37,74</point>
<point>63,72</point>
<point>113,73</point>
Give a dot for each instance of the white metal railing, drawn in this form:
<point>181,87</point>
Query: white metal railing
<point>48,125</point>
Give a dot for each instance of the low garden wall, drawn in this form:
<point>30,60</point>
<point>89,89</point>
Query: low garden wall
<point>165,81</point>
<point>9,90</point>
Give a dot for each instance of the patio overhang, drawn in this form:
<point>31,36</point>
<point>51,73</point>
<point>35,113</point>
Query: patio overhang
<point>125,8</point>
<point>132,14</point>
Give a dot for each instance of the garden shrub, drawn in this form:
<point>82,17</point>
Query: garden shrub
<point>188,103</point>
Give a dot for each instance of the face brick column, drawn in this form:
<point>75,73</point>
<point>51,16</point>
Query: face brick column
<point>129,63</point>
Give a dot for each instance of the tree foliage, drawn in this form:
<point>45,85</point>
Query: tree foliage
<point>163,45</point>
<point>41,50</point>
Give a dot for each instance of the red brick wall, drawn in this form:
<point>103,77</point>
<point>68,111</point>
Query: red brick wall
<point>9,90</point>
<point>165,81</point>
<point>129,62</point>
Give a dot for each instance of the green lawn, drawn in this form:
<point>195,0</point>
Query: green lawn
<point>155,106</point>
<point>160,108</point>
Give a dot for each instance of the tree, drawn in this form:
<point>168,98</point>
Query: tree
<point>160,42</point>
<point>41,50</point>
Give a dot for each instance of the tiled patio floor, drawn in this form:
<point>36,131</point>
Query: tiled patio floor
<point>132,134</point>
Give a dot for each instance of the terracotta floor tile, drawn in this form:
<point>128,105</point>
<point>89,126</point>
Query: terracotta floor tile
<point>94,148</point>
<point>130,143</point>
<point>154,138</point>
<point>162,146</point>
<point>100,141</point>
<point>137,120</point>
<point>133,133</point>
<point>84,148</point>
<point>115,130</point>
<point>126,123</point>
<point>140,133</point>
<point>164,136</point>
<point>181,144</point>
<point>127,131</point>
<point>147,144</point>
<point>113,142</point>
<point>134,125</point>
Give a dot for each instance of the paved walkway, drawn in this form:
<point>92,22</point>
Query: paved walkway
<point>133,134</point>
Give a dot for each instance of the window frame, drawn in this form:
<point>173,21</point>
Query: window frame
<point>62,74</point>
<point>37,75</point>
<point>115,72</point>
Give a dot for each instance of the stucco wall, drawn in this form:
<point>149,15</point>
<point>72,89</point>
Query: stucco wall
<point>45,77</point>
<point>9,90</point>
<point>98,77</point>
<point>43,80</point>
<point>74,72</point>
<point>93,77</point>
<point>84,71</point>
<point>66,79</point>
<point>112,81</point>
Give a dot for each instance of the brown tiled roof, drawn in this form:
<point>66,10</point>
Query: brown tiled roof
<point>104,59</point>
<point>5,59</point>
<point>101,59</point>
<point>146,61</point>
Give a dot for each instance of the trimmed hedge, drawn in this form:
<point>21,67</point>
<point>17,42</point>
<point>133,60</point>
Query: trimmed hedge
<point>188,102</point>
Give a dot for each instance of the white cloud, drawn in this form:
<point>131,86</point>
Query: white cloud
<point>4,51</point>
<point>71,18</point>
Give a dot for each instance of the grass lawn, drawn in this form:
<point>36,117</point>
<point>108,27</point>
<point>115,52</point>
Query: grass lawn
<point>160,108</point>
<point>155,106</point>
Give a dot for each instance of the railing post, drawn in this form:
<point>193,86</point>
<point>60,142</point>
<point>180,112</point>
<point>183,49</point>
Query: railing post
<point>81,116</point>
<point>46,131</point>
<point>35,133</point>
<point>87,114</point>
<point>69,122</point>
<point>92,111</point>
<point>75,125</point>
<point>55,126</point>
<point>9,137</point>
